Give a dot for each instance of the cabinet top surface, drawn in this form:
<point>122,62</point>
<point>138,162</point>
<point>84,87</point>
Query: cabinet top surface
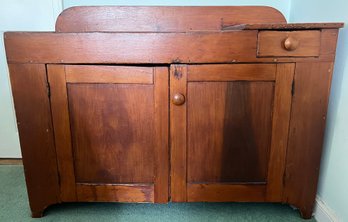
<point>167,35</point>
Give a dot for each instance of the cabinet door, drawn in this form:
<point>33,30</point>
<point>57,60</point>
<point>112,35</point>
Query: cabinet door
<point>229,129</point>
<point>111,132</point>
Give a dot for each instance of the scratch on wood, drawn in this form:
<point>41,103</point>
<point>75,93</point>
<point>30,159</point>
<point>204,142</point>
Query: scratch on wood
<point>177,73</point>
<point>177,60</point>
<point>222,23</point>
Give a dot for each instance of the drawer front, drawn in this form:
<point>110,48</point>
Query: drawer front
<point>288,44</point>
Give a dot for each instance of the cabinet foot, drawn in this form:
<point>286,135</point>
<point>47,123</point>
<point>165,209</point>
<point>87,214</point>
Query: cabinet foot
<point>37,214</point>
<point>38,211</point>
<point>305,212</point>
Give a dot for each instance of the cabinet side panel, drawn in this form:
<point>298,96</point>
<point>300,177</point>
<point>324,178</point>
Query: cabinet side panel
<point>29,88</point>
<point>306,133</point>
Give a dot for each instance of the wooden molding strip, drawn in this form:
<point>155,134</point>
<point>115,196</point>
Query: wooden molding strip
<point>11,161</point>
<point>108,74</point>
<point>286,26</point>
<point>225,192</point>
<point>240,72</point>
<point>116,193</point>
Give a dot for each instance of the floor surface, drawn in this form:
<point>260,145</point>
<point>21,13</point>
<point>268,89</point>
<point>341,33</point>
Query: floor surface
<point>14,207</point>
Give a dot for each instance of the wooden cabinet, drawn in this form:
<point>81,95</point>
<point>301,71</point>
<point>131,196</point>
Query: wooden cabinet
<point>184,108</point>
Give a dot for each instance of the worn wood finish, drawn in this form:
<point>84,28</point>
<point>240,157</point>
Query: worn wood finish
<point>29,88</point>
<point>161,93</point>
<point>162,19</point>
<point>236,116</point>
<point>178,79</point>
<point>284,26</point>
<point>280,126</point>
<point>328,42</point>
<point>108,74</point>
<point>113,141</point>
<point>99,110</point>
<point>120,48</point>
<point>307,124</point>
<point>273,43</point>
<point>229,131</point>
<point>227,112</point>
<point>119,193</point>
<point>225,192</point>
<point>242,72</point>
<point>62,133</point>
<point>130,47</point>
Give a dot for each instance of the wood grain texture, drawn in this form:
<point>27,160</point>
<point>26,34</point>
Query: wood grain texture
<point>117,193</point>
<point>62,133</point>
<point>271,43</point>
<point>161,94</point>
<point>225,192</point>
<point>328,42</point>
<point>134,48</point>
<point>228,114</point>
<point>162,19</point>
<point>241,72</point>
<point>280,127</point>
<point>125,48</point>
<point>178,79</point>
<point>108,74</point>
<point>308,117</point>
<point>229,131</point>
<point>284,26</point>
<point>29,88</point>
<point>112,129</point>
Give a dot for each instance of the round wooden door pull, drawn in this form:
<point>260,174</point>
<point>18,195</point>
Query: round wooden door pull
<point>178,99</point>
<point>291,43</point>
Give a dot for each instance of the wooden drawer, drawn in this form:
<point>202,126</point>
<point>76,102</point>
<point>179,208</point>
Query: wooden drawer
<point>288,43</point>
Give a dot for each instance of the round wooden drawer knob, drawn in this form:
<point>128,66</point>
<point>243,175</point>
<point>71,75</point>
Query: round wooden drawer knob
<point>178,99</point>
<point>291,43</point>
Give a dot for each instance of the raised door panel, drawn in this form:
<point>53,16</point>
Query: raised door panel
<point>229,131</point>
<point>112,141</point>
<point>111,129</point>
<point>229,136</point>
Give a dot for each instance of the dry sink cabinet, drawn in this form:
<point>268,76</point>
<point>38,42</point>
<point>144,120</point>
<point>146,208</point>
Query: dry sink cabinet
<point>182,104</point>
